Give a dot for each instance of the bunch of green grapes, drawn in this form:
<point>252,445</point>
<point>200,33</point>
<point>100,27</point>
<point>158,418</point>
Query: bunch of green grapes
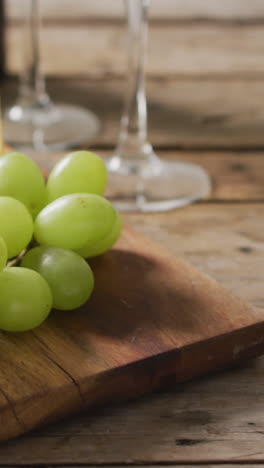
<point>46,233</point>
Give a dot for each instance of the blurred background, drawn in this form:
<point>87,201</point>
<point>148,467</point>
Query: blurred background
<point>205,69</point>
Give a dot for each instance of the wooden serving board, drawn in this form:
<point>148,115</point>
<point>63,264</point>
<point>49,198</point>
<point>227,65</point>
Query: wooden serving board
<point>153,320</point>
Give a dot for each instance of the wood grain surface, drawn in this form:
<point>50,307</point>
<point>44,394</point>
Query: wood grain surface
<point>212,100</point>
<point>175,324</point>
<point>211,420</point>
<point>62,10</point>
<point>223,237</point>
<point>198,49</point>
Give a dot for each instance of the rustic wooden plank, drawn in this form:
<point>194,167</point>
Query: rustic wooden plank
<point>226,241</point>
<point>183,113</point>
<point>236,176</point>
<point>167,9</point>
<point>128,340</point>
<point>213,420</point>
<point>192,49</point>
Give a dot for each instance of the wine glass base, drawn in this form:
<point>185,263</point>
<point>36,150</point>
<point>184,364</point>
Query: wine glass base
<point>53,127</point>
<point>156,185</point>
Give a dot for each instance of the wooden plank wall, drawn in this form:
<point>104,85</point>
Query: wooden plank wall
<point>2,46</point>
<point>188,37</point>
<point>205,66</point>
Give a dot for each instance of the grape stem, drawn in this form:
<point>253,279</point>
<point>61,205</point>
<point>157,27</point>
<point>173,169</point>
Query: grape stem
<point>15,261</point>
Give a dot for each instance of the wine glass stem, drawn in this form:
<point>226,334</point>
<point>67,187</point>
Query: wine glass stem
<point>32,90</point>
<point>133,134</point>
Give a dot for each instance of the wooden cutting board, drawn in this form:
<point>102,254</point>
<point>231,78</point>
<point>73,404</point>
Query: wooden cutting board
<point>153,320</point>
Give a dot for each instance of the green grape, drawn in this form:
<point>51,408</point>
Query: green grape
<point>68,275</point>
<point>78,172</point>
<point>3,253</point>
<point>25,299</point>
<point>16,225</point>
<point>20,178</point>
<point>92,250</point>
<point>73,221</point>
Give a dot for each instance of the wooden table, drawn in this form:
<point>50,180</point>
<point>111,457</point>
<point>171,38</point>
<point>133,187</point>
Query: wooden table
<point>218,419</point>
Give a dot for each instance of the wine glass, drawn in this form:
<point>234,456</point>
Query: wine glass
<point>138,179</point>
<point>34,121</point>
